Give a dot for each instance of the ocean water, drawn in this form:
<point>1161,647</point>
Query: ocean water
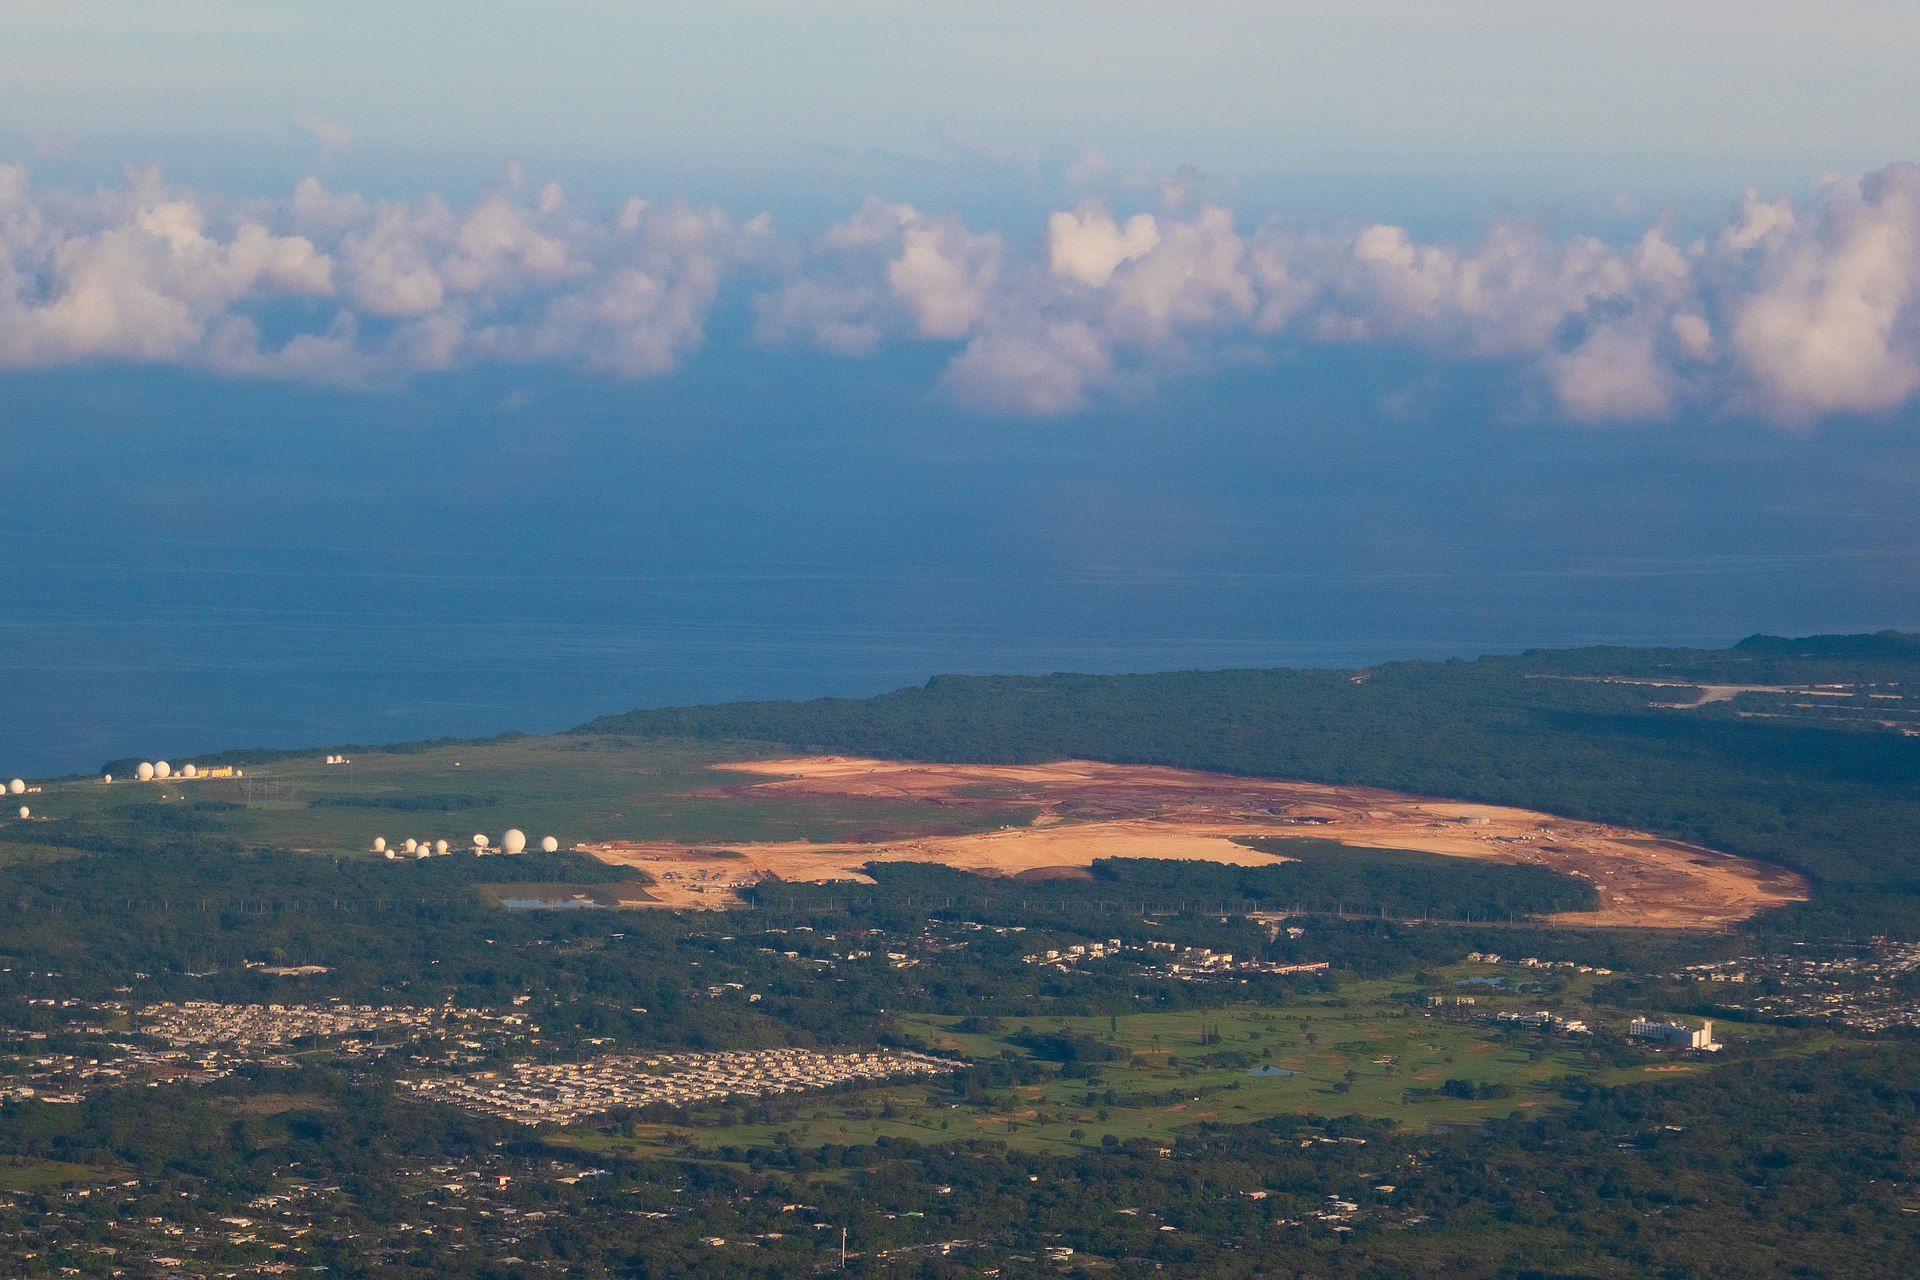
<point>188,564</point>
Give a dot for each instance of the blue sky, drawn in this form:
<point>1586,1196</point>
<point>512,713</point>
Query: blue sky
<point>789,103</point>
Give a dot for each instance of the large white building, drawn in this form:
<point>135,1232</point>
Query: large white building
<point>1675,1035</point>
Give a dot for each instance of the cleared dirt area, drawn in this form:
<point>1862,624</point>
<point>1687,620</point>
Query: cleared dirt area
<point>1089,811</point>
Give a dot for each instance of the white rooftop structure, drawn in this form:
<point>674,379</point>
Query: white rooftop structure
<point>1675,1035</point>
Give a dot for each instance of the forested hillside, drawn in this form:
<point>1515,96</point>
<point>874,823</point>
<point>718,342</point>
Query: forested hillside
<point>1838,801</point>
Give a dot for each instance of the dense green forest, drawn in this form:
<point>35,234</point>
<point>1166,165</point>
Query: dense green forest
<point>1538,729</point>
<point>1323,878</point>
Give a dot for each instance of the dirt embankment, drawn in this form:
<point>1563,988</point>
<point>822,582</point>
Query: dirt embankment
<point>1091,811</point>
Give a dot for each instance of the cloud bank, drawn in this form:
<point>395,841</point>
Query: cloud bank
<point>1788,311</point>
<point>339,288</point>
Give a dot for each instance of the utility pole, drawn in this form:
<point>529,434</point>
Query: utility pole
<point>843,1248</point>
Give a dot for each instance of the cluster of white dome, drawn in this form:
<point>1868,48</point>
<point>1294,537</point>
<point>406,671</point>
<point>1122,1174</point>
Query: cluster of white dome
<point>161,771</point>
<point>514,841</point>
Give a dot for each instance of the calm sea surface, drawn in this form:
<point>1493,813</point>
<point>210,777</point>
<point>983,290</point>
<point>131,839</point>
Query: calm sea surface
<point>189,565</point>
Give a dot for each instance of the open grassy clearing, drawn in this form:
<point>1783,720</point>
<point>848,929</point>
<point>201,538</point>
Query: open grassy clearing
<point>577,788</point>
<point>12,853</point>
<point>701,818</point>
<point>46,1175</point>
<point>1356,1054</point>
<point>1359,1052</point>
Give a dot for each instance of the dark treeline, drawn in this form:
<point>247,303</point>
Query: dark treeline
<point>1196,904</point>
<point>182,918</point>
<point>1323,878</point>
<point>175,916</point>
<point>1533,730</point>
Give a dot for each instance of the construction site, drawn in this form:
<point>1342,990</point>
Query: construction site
<point>1067,815</point>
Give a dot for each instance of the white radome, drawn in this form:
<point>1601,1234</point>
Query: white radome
<point>25,812</point>
<point>161,769</point>
<point>17,786</point>
<point>515,841</point>
<point>379,844</point>
<point>479,841</point>
<point>549,845</point>
<point>144,772</point>
<point>440,846</point>
<point>411,845</point>
<point>107,778</point>
<point>388,854</point>
<point>191,771</point>
<point>423,852</point>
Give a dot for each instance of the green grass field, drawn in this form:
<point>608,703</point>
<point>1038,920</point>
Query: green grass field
<point>32,852</point>
<point>1358,1053</point>
<point>46,1175</point>
<point>576,788</point>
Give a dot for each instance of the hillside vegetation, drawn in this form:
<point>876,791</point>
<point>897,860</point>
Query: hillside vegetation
<point>1760,774</point>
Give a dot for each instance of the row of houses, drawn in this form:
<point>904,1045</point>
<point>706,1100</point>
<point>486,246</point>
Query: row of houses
<point>563,1093</point>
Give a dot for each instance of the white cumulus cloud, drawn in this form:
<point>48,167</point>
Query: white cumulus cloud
<point>1788,310</point>
<point>1087,245</point>
<point>378,289</point>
